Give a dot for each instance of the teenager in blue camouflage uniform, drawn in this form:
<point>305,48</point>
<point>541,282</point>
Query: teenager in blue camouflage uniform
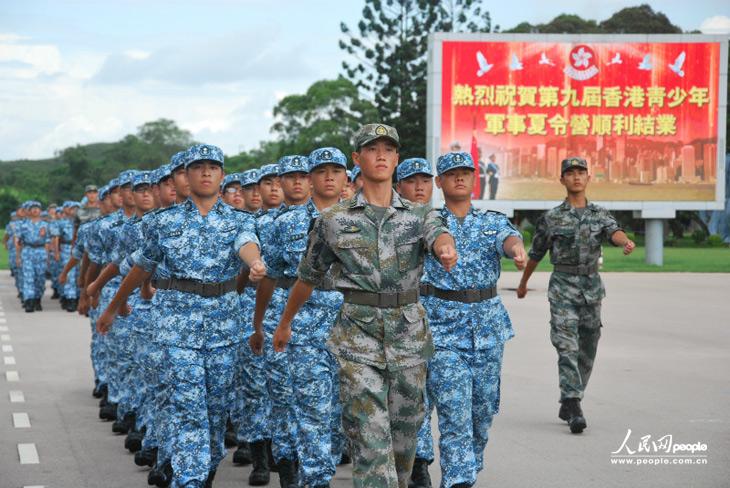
<point>573,233</point>
<point>271,296</point>
<point>9,243</point>
<point>54,214</point>
<point>69,291</point>
<point>469,323</point>
<point>31,239</point>
<point>317,409</point>
<point>414,182</point>
<point>374,245</point>
<point>200,244</point>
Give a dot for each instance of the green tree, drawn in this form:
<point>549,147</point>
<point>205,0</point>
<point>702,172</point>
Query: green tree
<point>326,115</point>
<point>642,19</point>
<point>388,52</point>
<point>164,132</point>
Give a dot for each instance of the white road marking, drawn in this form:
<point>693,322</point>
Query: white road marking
<point>12,376</point>
<point>21,420</point>
<point>3,328</point>
<point>9,360</point>
<point>7,348</point>
<point>16,396</point>
<point>3,320</point>
<point>5,337</point>
<point>34,486</point>
<point>28,454</point>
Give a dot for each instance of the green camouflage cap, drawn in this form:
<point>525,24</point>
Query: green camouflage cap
<point>89,188</point>
<point>571,163</point>
<point>370,132</point>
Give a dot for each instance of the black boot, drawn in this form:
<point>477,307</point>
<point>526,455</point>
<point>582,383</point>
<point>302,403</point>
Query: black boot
<point>104,390</point>
<point>209,481</point>
<point>345,458</point>
<point>563,412</point>
<point>419,475</point>
<point>55,295</point>
<point>96,392</point>
<point>133,442</point>
<point>461,485</point>
<point>242,455</point>
<point>146,457</point>
<point>108,411</point>
<point>160,476</point>
<point>29,306</point>
<point>260,473</point>
<point>288,474</point>
<point>576,421</point>
<point>38,305</point>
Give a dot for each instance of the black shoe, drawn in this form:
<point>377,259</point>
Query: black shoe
<point>73,305</point>
<point>108,411</point>
<point>125,425</point>
<point>273,467</point>
<point>462,485</point>
<point>288,474</point>
<point>230,439</point>
<point>563,412</point>
<point>29,306</point>
<point>160,476</point>
<point>419,475</point>
<point>321,486</point>
<point>55,295</point>
<point>345,458</point>
<point>38,305</point>
<point>133,442</point>
<point>209,481</point>
<point>119,427</point>
<point>576,421</point>
<point>96,392</point>
<point>242,455</point>
<point>146,457</point>
<point>260,471</point>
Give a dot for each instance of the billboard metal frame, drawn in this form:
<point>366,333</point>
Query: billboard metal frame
<point>647,209</point>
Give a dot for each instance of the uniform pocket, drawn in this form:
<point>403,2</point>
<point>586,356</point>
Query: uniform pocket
<point>408,251</point>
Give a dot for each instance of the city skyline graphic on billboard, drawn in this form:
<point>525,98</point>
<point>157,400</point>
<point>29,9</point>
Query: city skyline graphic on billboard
<point>644,116</point>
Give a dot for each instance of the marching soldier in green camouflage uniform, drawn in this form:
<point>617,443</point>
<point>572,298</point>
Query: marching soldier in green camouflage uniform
<point>573,232</point>
<point>374,245</point>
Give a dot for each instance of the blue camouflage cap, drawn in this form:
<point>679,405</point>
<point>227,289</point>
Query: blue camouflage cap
<point>142,178</point>
<point>177,161</point>
<point>103,192</point>
<point>34,203</point>
<point>113,183</point>
<point>126,176</point>
<point>44,213</point>
<point>413,166</point>
<point>356,172</point>
<point>204,152</point>
<point>163,172</point>
<point>230,179</point>
<point>293,164</point>
<point>349,175</point>
<point>70,204</point>
<point>454,160</point>
<point>13,214</point>
<point>268,170</point>
<point>327,155</point>
<point>250,177</point>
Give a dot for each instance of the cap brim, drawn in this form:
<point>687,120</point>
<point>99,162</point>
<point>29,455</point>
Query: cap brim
<point>375,138</point>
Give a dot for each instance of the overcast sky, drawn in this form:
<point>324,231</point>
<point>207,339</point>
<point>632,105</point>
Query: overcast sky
<point>88,71</point>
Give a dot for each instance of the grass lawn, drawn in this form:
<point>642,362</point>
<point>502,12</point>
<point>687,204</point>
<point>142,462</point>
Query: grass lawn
<point>676,259</point>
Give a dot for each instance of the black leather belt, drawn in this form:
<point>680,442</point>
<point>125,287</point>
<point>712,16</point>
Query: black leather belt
<point>285,282</point>
<point>66,242</point>
<point>34,245</point>
<point>581,269</point>
<point>463,296</point>
<point>196,287</point>
<point>381,300</point>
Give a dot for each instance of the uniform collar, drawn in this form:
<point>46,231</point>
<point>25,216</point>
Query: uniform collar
<point>359,201</point>
<point>219,206</point>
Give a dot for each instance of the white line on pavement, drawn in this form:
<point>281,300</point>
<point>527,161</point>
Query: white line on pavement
<point>7,348</point>
<point>21,420</point>
<point>3,321</point>
<point>12,376</point>
<point>5,337</point>
<point>16,396</point>
<point>28,454</point>
<point>9,360</point>
<point>3,328</point>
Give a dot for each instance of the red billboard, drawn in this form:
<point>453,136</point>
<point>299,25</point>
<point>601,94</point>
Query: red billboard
<point>644,115</point>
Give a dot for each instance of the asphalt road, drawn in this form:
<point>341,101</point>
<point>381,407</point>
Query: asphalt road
<point>662,369</point>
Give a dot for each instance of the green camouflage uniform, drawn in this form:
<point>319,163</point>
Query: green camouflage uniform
<point>575,299</point>
<point>382,351</point>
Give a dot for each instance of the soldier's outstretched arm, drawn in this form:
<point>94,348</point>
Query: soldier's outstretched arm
<point>299,294</point>
<point>133,280</point>
<point>529,269</point>
<point>264,292</point>
<point>110,271</point>
<point>72,261</point>
<point>514,248</point>
<point>250,254</point>
<point>444,248</point>
<point>620,239</point>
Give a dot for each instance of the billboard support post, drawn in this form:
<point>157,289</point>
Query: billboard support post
<point>654,241</point>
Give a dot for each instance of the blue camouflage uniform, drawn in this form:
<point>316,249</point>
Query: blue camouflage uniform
<point>33,236</point>
<point>10,233</point>
<point>69,289</point>
<point>199,336</point>
<point>54,266</point>
<point>278,373</point>
<point>464,373</point>
<point>316,405</point>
